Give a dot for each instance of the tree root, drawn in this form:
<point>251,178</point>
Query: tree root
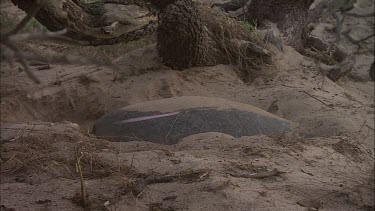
<point>99,23</point>
<point>341,69</point>
<point>337,61</point>
<point>356,42</point>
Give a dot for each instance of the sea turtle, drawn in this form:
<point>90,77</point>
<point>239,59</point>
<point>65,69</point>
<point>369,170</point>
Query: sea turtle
<point>169,120</point>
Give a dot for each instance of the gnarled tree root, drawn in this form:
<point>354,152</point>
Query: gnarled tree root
<point>99,23</point>
<point>337,61</point>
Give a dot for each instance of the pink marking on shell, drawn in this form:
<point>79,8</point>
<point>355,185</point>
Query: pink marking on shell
<point>138,119</point>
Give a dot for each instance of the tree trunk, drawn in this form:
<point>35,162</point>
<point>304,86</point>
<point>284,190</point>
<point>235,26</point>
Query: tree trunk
<point>289,15</point>
<point>191,34</point>
<point>182,38</point>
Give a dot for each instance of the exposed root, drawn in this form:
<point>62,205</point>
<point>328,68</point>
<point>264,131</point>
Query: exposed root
<point>341,69</point>
<point>338,63</point>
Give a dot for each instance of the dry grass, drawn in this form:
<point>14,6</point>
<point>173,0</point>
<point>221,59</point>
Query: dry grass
<point>38,153</point>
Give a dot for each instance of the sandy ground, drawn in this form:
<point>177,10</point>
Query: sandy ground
<point>325,163</point>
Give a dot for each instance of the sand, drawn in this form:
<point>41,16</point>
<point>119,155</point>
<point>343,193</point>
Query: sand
<point>330,166</point>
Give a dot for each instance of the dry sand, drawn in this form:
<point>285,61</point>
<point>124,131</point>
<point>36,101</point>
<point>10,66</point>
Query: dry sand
<point>328,161</point>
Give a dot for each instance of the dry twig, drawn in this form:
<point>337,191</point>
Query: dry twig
<point>79,156</point>
<point>324,103</point>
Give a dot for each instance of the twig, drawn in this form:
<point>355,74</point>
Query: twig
<point>328,105</point>
<point>71,59</point>
<point>32,129</point>
<point>204,175</point>
<point>23,63</point>
<point>9,159</point>
<point>58,36</point>
<point>339,23</point>
<point>141,193</point>
<point>137,137</point>
<point>79,155</point>
<point>293,87</point>
<point>365,38</point>
<point>170,129</point>
<point>370,127</point>
<point>131,164</point>
<point>308,173</point>
<point>360,15</point>
<point>18,135</point>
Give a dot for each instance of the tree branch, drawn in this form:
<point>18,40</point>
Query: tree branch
<point>22,61</point>
<point>35,9</point>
